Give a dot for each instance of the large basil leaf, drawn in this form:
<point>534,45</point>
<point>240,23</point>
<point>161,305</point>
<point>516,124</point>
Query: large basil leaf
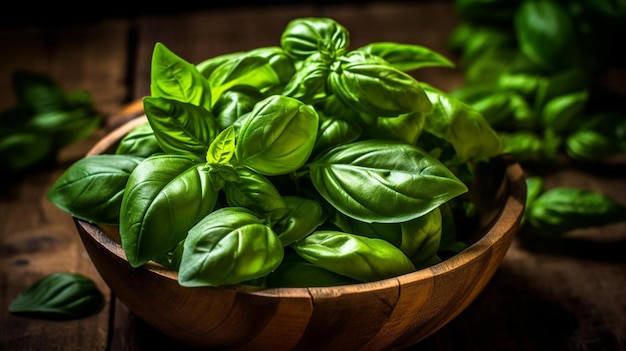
<point>383,181</point>
<point>174,78</point>
<point>358,257</point>
<point>165,196</point>
<point>91,188</point>
<point>462,126</point>
<point>278,136</point>
<point>370,85</point>
<point>255,192</point>
<point>140,141</point>
<point>59,296</point>
<point>229,246</point>
<point>181,128</point>
<point>406,57</point>
<point>303,37</point>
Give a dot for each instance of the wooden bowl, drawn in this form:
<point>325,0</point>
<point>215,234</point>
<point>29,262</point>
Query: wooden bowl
<point>384,315</point>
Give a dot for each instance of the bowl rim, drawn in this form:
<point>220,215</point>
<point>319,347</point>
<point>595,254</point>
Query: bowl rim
<point>503,227</point>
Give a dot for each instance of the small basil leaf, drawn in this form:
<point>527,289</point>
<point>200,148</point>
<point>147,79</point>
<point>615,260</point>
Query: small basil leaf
<point>333,132</point>
<point>563,209</point>
<point>222,148</point>
<point>304,216</point>
<point>229,246</point>
<point>358,257</point>
<point>255,192</point>
<point>234,103</point>
<point>59,296</point>
<point>407,57</point>
<point>383,181</point>
<point>140,142</point>
<point>172,77</point>
<point>278,136</point>
<point>75,190</point>
<point>181,128</point>
<point>164,197</point>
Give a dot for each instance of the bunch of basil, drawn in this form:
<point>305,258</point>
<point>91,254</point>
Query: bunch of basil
<point>304,164</point>
<point>534,69</point>
<point>43,121</point>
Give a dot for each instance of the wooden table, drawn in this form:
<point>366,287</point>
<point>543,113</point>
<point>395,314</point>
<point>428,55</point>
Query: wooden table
<point>568,296</point>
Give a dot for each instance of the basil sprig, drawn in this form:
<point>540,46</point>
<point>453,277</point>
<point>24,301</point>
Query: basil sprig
<point>337,156</point>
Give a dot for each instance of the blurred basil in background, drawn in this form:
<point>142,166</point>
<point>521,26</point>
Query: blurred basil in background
<point>537,71</point>
<point>44,119</point>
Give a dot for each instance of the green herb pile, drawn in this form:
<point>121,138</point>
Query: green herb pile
<point>43,121</point>
<point>303,164</point>
<point>535,70</point>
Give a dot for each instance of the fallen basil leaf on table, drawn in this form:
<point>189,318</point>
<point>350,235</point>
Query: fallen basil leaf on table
<point>59,296</point>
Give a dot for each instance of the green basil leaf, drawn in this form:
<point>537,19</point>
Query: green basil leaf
<point>91,188</point>
<point>255,192</point>
<point>600,137</point>
<point>407,127</point>
<point>21,149</point>
<point>181,128</point>
<point>249,70</point>
<point>140,141</point>
<point>38,92</point>
<point>59,296</point>
<point>234,103</point>
<point>334,131</point>
<point>207,66</point>
<point>546,34</point>
<point>406,57</point>
<point>296,272</point>
<point>383,181</point>
<point>165,196</point>
<point>229,246</point>
<point>222,148</point>
<point>524,145</point>
<point>358,257</point>
<point>563,209</point>
<point>308,84</point>
<point>304,216</point>
<point>462,126</point>
<point>561,113</point>
<point>278,136</point>
<point>370,85</point>
<point>172,77</point>
<point>305,36</point>
<point>421,238</point>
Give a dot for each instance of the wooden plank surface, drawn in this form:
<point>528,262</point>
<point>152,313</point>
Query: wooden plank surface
<point>565,296</point>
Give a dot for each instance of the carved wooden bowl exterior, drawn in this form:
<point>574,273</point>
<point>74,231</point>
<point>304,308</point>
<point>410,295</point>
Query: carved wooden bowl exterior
<point>384,315</point>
